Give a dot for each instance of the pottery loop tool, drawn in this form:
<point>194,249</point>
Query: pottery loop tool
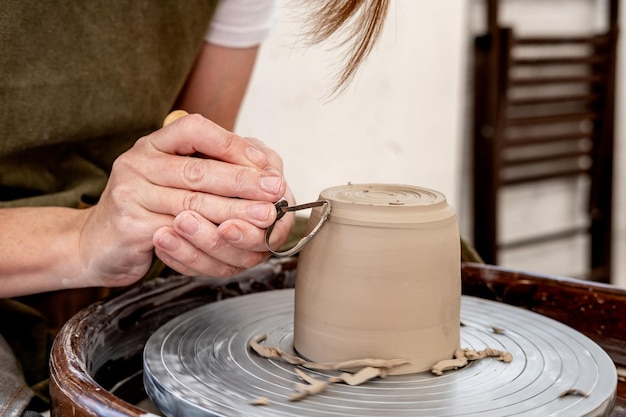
<point>282,208</point>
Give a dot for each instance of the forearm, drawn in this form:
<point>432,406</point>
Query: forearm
<point>156,198</point>
<point>39,249</point>
<point>218,83</point>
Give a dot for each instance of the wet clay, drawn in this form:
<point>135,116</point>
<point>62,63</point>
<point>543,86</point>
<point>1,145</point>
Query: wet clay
<point>381,279</point>
<point>271,352</point>
<point>463,356</point>
<point>313,386</point>
<point>366,369</point>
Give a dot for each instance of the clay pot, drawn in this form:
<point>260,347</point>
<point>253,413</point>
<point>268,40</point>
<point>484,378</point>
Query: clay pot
<point>381,279</point>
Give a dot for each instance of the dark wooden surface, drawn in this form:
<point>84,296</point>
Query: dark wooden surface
<point>100,348</point>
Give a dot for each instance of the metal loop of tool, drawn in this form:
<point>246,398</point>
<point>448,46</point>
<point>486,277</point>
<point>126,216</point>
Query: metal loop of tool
<point>282,207</point>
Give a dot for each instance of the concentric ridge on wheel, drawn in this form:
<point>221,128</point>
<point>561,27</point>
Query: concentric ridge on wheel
<point>199,364</point>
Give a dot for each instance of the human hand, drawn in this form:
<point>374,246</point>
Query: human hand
<point>201,215</point>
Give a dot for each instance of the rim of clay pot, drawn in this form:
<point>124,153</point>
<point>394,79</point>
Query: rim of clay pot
<point>395,205</point>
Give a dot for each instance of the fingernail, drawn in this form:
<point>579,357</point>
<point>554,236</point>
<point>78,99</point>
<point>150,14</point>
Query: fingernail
<point>256,156</point>
<point>169,242</point>
<point>232,234</point>
<point>260,211</point>
<point>271,183</point>
<point>187,223</point>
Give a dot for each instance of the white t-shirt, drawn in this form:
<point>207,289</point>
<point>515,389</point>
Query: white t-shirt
<point>241,23</point>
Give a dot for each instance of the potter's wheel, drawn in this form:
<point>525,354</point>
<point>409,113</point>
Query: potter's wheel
<point>199,364</point>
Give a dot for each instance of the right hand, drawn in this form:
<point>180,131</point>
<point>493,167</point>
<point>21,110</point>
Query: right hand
<point>201,215</point>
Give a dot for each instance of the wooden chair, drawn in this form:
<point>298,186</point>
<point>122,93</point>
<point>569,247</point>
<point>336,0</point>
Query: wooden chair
<point>538,117</point>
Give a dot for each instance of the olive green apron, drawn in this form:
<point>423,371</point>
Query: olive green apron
<point>80,82</point>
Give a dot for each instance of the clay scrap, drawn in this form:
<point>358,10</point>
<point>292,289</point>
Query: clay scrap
<point>260,401</point>
<point>275,353</point>
<point>463,356</point>
<point>359,377</point>
<point>313,386</point>
<point>368,369</point>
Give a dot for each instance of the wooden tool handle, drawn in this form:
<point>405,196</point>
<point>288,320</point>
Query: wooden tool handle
<point>175,115</point>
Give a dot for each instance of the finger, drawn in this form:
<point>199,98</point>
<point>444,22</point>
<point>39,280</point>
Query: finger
<point>198,174</point>
<point>215,208</point>
<point>245,236</point>
<point>215,177</point>
<point>274,160</point>
<point>180,255</point>
<point>207,237</point>
<point>203,253</point>
<point>191,134</point>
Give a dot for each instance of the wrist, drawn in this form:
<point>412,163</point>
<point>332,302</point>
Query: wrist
<point>44,256</point>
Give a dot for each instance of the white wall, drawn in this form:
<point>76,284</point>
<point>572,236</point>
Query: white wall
<point>404,119</point>
<point>400,120</point>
